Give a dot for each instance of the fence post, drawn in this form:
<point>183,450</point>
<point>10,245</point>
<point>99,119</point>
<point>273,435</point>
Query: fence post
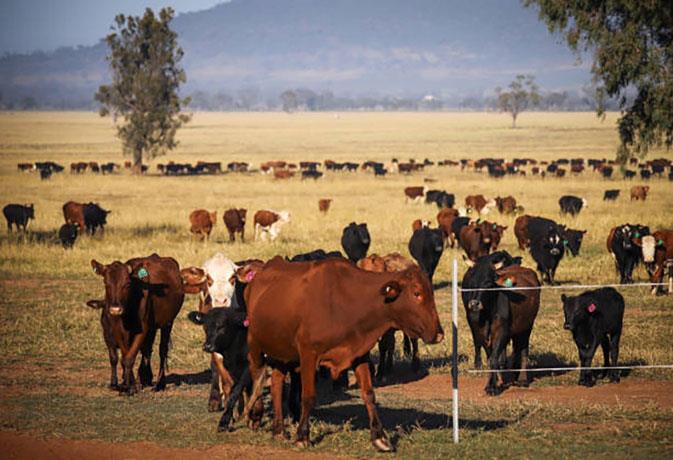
<point>454,358</point>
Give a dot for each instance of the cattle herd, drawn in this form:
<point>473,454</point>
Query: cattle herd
<point>321,312</point>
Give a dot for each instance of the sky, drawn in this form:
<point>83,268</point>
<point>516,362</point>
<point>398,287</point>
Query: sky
<point>31,25</point>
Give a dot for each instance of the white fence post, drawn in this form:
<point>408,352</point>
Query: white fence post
<point>454,357</point>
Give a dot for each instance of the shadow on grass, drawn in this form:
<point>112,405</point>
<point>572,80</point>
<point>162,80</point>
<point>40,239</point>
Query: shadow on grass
<point>198,378</point>
<point>31,237</point>
<point>151,230</point>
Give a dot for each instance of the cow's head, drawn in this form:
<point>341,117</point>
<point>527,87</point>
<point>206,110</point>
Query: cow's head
<point>372,263</point>
<point>221,271</point>
<point>553,242</point>
<point>411,303</point>
<point>220,325</point>
<point>361,233</point>
<point>572,239</point>
<point>483,275</point>
<point>118,279</point>
<point>584,203</point>
<point>242,214</point>
<point>576,310</point>
<point>648,245</point>
<point>30,211</point>
<point>284,216</point>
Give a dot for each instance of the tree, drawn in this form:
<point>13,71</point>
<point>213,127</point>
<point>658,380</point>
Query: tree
<point>632,46</point>
<point>289,100</point>
<point>146,75</point>
<point>523,92</point>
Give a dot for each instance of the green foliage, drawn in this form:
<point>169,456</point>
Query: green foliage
<point>146,75</point>
<point>523,92</point>
<point>632,45</point>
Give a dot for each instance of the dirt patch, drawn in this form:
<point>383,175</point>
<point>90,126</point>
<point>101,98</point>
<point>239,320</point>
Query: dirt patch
<point>16,446</point>
<point>629,392</point>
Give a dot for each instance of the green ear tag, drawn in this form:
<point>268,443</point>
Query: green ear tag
<point>660,243</point>
<point>637,235</point>
<point>142,273</point>
<point>495,226</point>
<point>565,242</point>
<point>508,283</point>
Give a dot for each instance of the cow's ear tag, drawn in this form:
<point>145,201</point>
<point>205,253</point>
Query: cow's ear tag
<point>250,276</point>
<point>246,322</point>
<point>495,226</point>
<point>660,243</point>
<point>143,273</point>
<point>565,242</point>
<point>637,235</point>
<point>591,308</point>
<point>508,283</point>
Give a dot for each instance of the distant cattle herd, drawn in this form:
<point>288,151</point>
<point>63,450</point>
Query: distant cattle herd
<point>323,309</point>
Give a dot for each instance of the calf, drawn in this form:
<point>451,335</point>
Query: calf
<point>497,315</point>
<point>214,282</point>
<point>639,192</point>
<point>441,198</point>
<point>456,226</point>
<point>621,244</point>
<point>475,240</point>
<point>68,234</point>
<point>657,254</point>
<point>479,203</point>
<point>445,219</point>
<point>18,215</point>
<point>572,240</point>
<point>311,174</point>
<point>595,317</point>
<point>355,241</point>
<point>426,246</point>
<point>610,195</point>
<point>414,194</point>
<point>324,205</point>
<point>202,223</point>
<point>234,220</point>
<point>269,223</point>
<point>506,205</point>
<point>547,249</point>
<point>571,204</point>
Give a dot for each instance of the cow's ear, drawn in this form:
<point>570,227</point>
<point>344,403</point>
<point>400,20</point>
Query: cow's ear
<point>506,281</point>
<point>195,317</point>
<point>468,262</point>
<point>98,268</point>
<point>237,318</point>
<point>391,290</point>
<point>95,304</point>
<point>563,298</point>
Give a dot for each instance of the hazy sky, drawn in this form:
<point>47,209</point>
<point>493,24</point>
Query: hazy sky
<point>29,25</point>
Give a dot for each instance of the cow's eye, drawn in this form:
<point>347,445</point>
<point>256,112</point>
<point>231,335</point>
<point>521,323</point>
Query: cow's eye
<point>418,295</point>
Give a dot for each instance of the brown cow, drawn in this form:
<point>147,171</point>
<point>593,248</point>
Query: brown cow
<point>521,231</point>
<point>324,204</point>
<point>282,174</point>
<point>479,203</point>
<point>73,213</point>
<point>419,224</point>
<point>234,220</point>
<point>141,296</point>
<point>202,222</point>
<point>415,194</point>
<point>506,205</point>
<point>330,313</point>
<point>639,192</point>
<point>658,256</point>
<point>445,218</point>
<point>476,240</point>
<point>267,221</point>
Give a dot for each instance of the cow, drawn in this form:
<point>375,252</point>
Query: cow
<point>302,314</point>
<point>497,315</point>
<point>595,318</point>
<point>657,254</point>
<point>26,167</point>
<point>445,219</point>
<point>18,215</point>
<point>268,222</point>
<point>456,227</point>
<point>318,254</point>
<point>547,249</point>
<point>282,174</point>
<point>426,246</point>
<point>478,203</point>
<point>311,174</point>
<point>645,174</point>
<point>87,216</point>
<point>414,194</point>
<point>506,205</point>
<point>572,240</point>
<point>474,240</point>
<point>355,241</point>
<point>521,231</point>
<point>142,295</point>
<point>441,198</point>
<point>639,192</point>
<point>621,245</point>
<point>68,234</point>
<point>324,204</point>
<point>393,262</point>
<point>213,281</point>
<point>202,223</point>
<point>379,170</point>
<point>572,204</point>
<point>611,195</point>
<point>418,224</point>
<point>234,220</point>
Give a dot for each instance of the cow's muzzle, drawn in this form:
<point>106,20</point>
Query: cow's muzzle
<point>555,251</point>
<point>116,310</point>
<point>566,326</point>
<point>475,305</point>
<point>208,347</point>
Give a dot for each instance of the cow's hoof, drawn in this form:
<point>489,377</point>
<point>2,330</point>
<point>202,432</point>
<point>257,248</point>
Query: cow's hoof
<point>254,424</point>
<point>521,383</point>
<point>302,443</point>
<point>161,386</point>
<point>587,383</point>
<point>382,445</point>
<point>113,387</point>
<point>214,405</point>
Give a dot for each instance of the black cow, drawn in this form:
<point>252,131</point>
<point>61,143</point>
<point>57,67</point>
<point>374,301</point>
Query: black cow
<point>571,204</point>
<point>572,239</point>
<point>18,215</point>
<point>318,254</point>
<point>355,241</point>
<point>441,198</point>
<point>379,170</point>
<point>497,316</point>
<point>426,246</point>
<point>629,174</point>
<point>626,253</point>
<point>645,174</point>
<point>311,174</point>
<point>607,172</point>
<point>457,224</point>
<point>547,250</point>
<point>610,195</point>
<point>68,234</point>
<point>94,217</point>
<point>595,317</point>
<point>45,174</point>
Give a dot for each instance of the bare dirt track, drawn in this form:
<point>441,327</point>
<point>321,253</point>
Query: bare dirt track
<point>15,446</point>
<point>629,392</point>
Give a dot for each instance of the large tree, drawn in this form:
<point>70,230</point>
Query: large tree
<point>146,75</point>
<point>523,93</point>
<point>632,46</point>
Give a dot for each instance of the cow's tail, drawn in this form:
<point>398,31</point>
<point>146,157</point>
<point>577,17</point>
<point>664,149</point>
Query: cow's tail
<point>241,384</point>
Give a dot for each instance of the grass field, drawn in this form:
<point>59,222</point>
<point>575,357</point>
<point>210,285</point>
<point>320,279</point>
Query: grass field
<point>53,365</point>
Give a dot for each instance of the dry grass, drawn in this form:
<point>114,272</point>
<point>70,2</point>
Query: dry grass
<point>43,287</point>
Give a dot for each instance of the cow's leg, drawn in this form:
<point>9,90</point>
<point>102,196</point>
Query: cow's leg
<point>307,369</point>
<point>499,344</point>
<point>243,235</point>
<point>364,378</point>
<point>614,357</point>
<point>415,361</point>
<point>129,359</point>
<point>294,404</point>
<point>605,345</point>
<point>277,382</point>
<point>242,383</point>
<point>384,349</point>
<point>145,369</point>
<point>520,345</point>
<point>163,356</point>
<point>232,238</point>
<point>215,398</point>
<point>477,352</point>
<point>586,356</point>
<point>255,408</point>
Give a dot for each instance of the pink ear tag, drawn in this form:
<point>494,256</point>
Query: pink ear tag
<point>591,308</point>
<point>246,322</point>
<point>249,276</point>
